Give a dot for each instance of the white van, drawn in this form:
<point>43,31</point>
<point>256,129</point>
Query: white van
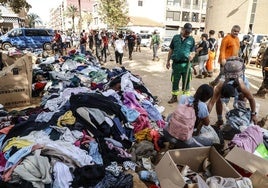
<point>145,39</point>
<point>256,44</point>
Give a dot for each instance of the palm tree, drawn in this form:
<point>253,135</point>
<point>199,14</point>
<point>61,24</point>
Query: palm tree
<point>72,12</point>
<point>80,15</point>
<point>33,19</point>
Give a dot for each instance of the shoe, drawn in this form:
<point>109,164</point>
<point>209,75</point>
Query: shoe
<point>173,99</point>
<point>212,84</point>
<point>153,59</point>
<point>219,123</point>
<point>199,76</point>
<point>262,96</point>
<point>205,74</point>
<point>195,72</point>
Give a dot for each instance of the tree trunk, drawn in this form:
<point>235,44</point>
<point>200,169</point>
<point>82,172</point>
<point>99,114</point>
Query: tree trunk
<point>80,16</point>
<point>73,23</point>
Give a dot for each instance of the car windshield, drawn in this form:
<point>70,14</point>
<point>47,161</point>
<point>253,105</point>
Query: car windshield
<point>167,39</point>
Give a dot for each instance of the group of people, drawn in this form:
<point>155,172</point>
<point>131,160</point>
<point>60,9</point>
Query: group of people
<point>231,81</point>
<point>98,43</point>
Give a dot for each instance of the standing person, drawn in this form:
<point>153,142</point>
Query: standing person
<point>82,43</point>
<point>98,44</point>
<point>138,42</point>
<point>220,37</point>
<point>64,44</point>
<point>211,52</point>
<point>75,40</point>
<point>230,46</point>
<point>57,42</point>
<point>155,41</point>
<point>105,42</point>
<point>119,46</point>
<point>181,52</point>
<point>264,86</point>
<point>91,41</point>
<point>202,50</point>
<point>130,40</point>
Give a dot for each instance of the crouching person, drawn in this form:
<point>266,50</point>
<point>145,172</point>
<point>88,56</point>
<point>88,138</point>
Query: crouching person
<point>188,125</point>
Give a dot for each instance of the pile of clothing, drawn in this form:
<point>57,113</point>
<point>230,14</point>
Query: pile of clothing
<point>95,127</point>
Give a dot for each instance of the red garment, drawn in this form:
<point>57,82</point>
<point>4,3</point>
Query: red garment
<point>57,37</point>
<point>39,85</point>
<point>105,40</point>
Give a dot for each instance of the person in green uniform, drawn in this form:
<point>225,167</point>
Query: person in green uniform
<point>181,52</point>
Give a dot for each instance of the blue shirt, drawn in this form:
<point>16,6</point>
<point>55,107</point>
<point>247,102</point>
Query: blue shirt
<point>202,107</point>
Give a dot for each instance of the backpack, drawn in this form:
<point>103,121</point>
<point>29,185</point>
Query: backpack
<point>182,122</point>
<point>234,68</point>
<point>212,44</point>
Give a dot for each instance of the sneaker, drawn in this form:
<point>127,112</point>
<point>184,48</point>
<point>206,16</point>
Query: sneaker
<point>173,99</point>
<point>262,96</point>
<point>199,76</point>
<point>219,123</point>
<point>212,84</point>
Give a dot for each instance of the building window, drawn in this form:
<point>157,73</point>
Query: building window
<point>174,2</point>
<point>195,17</point>
<point>203,18</point>
<point>173,16</point>
<point>185,16</point>
<point>95,8</point>
<point>96,21</point>
<point>140,3</point>
<point>186,4</point>
<point>253,11</point>
<point>196,4</point>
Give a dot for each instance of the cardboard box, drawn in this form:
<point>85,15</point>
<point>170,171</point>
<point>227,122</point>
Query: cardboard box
<point>16,83</point>
<point>170,176</point>
<point>254,164</point>
<point>9,60</point>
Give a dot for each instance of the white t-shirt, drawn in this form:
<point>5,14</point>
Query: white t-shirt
<point>119,45</point>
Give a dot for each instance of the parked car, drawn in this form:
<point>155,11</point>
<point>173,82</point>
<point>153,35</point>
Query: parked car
<point>145,40</point>
<point>23,38</point>
<point>257,38</point>
<point>165,44</point>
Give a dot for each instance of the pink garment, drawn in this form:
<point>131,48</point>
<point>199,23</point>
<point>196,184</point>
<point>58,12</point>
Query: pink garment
<point>3,161</point>
<point>248,139</point>
<point>142,122</point>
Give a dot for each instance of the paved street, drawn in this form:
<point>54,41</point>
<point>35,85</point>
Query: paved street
<point>157,79</point>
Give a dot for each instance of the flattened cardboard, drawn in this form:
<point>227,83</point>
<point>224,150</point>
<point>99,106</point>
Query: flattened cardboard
<point>247,161</point>
<point>170,176</point>
<point>15,83</point>
<point>259,180</point>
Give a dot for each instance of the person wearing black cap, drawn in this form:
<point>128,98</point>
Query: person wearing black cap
<point>181,52</point>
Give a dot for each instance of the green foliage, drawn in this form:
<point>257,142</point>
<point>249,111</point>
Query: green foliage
<point>33,19</point>
<point>114,13</point>
<point>72,12</point>
<point>16,5</point>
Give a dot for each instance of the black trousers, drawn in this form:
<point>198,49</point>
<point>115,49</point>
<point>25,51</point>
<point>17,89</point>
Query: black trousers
<point>118,57</point>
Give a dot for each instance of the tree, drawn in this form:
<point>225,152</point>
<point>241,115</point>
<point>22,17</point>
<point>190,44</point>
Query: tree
<point>33,19</point>
<point>114,13</point>
<point>80,15</point>
<point>72,12</point>
<point>16,5</point>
